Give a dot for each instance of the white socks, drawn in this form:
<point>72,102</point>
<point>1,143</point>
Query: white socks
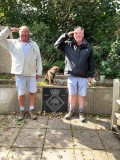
<point>22,108</point>
<point>72,108</point>
<point>80,109</point>
<point>32,107</point>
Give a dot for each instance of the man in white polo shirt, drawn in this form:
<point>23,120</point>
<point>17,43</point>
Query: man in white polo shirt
<point>26,65</point>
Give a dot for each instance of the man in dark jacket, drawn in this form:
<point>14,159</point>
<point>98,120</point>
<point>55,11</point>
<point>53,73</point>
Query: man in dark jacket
<point>79,67</point>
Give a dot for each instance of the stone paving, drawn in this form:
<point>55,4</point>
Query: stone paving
<point>54,138</point>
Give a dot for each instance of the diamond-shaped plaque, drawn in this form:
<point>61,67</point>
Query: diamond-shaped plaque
<point>55,99</point>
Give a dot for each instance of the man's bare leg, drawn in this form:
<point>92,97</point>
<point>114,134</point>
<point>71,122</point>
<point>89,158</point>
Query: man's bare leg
<point>32,97</point>
<point>81,102</point>
<point>72,104</point>
<point>21,100</point>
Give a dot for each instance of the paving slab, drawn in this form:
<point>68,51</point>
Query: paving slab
<point>58,154</point>
<point>41,122</point>
<point>109,140</point>
<point>101,123</point>
<point>7,137</point>
<point>25,154</point>
<point>76,124</point>
<point>60,123</point>
<point>113,154</point>
<point>3,153</point>
<point>51,137</point>
<point>2,117</point>
<point>90,154</point>
<point>87,138</point>
<point>30,138</point>
<point>58,139</point>
<point>12,121</point>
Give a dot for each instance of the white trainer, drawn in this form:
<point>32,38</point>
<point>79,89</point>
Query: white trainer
<point>81,117</point>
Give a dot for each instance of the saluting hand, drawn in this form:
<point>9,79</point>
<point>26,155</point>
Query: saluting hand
<point>70,34</point>
<point>14,29</point>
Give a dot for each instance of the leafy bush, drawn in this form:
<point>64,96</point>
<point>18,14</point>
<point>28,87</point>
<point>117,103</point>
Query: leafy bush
<point>48,19</point>
<point>101,53</point>
<point>44,37</point>
<point>111,67</point>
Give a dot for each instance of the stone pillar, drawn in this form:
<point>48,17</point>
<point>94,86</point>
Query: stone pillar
<point>5,57</point>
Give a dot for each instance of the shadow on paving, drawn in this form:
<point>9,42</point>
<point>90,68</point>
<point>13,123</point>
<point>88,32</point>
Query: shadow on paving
<point>52,137</point>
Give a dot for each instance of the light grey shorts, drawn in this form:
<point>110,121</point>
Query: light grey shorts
<point>25,83</point>
<point>77,85</point>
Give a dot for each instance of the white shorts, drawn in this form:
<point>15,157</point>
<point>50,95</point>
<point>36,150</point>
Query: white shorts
<point>25,83</point>
<point>77,85</point>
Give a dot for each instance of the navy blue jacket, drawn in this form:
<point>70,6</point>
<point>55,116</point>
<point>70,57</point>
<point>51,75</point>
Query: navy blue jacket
<point>78,59</point>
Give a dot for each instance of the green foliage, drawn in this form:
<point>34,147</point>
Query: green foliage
<point>111,67</point>
<point>45,39</point>
<point>21,122</point>
<point>97,56</point>
<point>114,59</point>
<point>48,19</point>
<point>101,53</point>
<point>42,83</point>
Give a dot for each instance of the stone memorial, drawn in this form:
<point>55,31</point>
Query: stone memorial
<point>55,99</point>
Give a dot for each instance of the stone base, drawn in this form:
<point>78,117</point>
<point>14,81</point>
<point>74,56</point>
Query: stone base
<point>97,101</point>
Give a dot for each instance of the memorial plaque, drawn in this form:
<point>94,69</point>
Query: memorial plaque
<point>55,99</point>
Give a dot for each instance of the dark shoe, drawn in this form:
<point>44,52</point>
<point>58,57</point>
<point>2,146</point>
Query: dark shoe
<point>81,117</point>
<point>32,114</point>
<point>69,114</point>
<point>21,115</point>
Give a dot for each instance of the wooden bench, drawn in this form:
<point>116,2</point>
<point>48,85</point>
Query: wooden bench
<point>115,119</point>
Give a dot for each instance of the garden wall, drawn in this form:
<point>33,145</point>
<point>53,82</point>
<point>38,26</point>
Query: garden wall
<point>97,101</point>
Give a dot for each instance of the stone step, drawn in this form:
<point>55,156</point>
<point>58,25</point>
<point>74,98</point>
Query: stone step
<point>118,118</point>
<point>118,101</point>
<point>117,129</point>
<point>117,115</point>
